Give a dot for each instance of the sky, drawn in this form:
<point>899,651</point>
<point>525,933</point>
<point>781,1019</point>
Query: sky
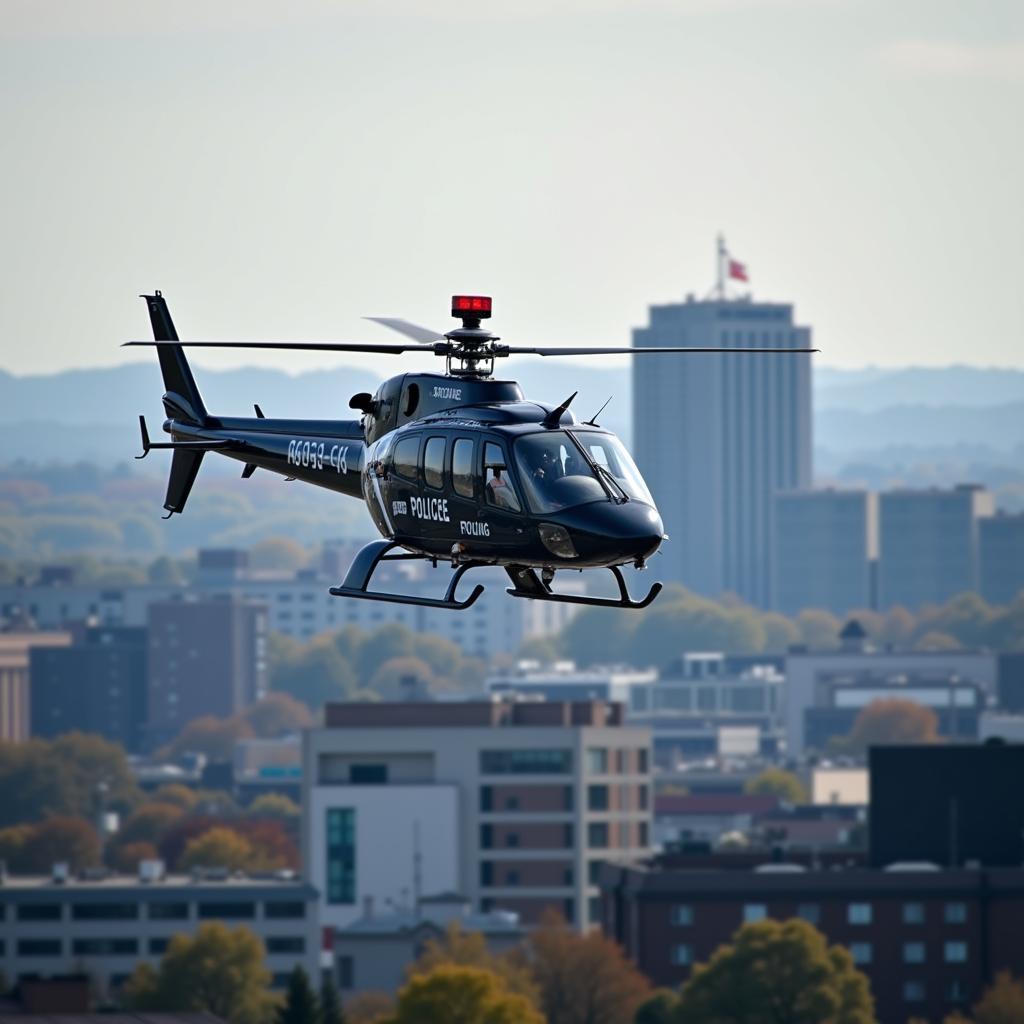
<point>280,171</point>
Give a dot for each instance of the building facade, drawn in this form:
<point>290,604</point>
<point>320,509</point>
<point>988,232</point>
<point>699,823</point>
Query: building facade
<point>824,552</point>
<point>1001,555</point>
<point>928,940</point>
<point>514,805</point>
<point>717,436</point>
<point>107,926</point>
<point>928,544</point>
<point>15,694</point>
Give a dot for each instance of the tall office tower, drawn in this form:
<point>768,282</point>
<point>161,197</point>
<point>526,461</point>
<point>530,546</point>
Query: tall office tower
<point>1001,557</point>
<point>16,645</point>
<point>512,805</point>
<point>825,544</point>
<point>716,437</point>
<point>205,657</point>
<point>928,544</point>
<point>96,685</point>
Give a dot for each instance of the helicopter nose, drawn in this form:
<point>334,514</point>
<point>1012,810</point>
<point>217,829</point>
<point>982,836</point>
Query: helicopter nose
<point>613,532</point>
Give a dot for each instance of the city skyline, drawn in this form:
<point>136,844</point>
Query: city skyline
<point>281,174</point>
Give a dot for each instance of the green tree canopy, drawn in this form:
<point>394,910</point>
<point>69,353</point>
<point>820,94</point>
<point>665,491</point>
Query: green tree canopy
<point>776,782</point>
<point>300,1003</point>
<point>452,994</point>
<point>314,674</point>
<point>777,973</point>
<point>218,969</point>
<point>331,1011</point>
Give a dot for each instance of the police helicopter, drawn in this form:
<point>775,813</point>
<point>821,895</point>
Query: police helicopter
<point>457,467</point>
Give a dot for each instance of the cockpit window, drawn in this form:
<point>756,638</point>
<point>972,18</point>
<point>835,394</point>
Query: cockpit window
<point>554,473</point>
<point>497,486</point>
<point>610,454</point>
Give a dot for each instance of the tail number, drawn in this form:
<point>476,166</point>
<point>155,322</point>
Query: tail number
<point>311,455</point>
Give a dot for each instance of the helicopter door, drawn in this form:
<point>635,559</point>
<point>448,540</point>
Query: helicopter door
<point>501,513</point>
<point>403,486</point>
<point>438,525</point>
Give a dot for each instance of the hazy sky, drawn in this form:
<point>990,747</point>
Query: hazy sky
<point>279,173</point>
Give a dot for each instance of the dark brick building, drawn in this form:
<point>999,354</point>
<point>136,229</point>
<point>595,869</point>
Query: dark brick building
<point>929,939</point>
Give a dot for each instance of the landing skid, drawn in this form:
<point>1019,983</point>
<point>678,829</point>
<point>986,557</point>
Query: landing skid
<point>357,579</point>
<point>526,583</point>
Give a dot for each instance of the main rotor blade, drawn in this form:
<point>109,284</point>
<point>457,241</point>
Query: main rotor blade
<point>515,350</point>
<point>298,346</point>
<point>408,328</point>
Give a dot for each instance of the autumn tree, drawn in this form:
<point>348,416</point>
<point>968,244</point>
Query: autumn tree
<point>893,720</point>
<point>176,794</point>
<point>217,848</point>
<point>469,949</point>
<point>211,736</point>
<point>277,714</point>
<point>661,1008</point>
<point>777,973</point>
<point>300,1003</point>
<point>777,782</point>
<point>583,979</point>
<point>126,857</point>
<point>452,994</point>
<point>1002,1002</point>
<point>369,1008</point>
<point>274,805</point>
<point>219,970</point>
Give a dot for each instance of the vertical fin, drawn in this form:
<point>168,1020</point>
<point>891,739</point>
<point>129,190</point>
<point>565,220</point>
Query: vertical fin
<point>182,399</point>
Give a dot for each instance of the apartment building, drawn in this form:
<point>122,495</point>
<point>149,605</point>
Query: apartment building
<point>514,805</point>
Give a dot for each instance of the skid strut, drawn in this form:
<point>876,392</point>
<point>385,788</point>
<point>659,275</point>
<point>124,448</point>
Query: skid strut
<point>526,583</point>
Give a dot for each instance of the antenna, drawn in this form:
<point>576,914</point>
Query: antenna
<point>593,419</point>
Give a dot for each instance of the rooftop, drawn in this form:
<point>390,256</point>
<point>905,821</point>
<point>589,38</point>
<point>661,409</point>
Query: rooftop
<point>471,714</point>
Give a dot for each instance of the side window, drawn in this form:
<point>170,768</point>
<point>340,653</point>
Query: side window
<point>433,462</point>
<point>406,456</point>
<point>497,485</point>
<point>462,467</point>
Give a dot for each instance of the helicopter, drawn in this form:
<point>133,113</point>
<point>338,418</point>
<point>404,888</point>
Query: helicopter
<point>457,467</point>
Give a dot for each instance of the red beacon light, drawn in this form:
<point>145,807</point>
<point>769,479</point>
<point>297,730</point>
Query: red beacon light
<point>475,307</point>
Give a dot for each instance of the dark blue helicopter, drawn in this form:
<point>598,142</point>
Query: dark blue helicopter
<point>455,467</point>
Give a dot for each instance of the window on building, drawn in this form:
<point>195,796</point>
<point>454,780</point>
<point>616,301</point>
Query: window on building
<point>284,909</point>
<point>286,944</point>
<point>955,952</point>
<point>642,797</point>
<point>105,947</point>
<point>957,991</point>
<point>597,835</point>
<point>104,911</point>
<point>39,947</point>
<point>913,952</point>
<point>643,835</point>
<point>858,913</point>
<point>754,912</point>
<point>569,838</point>
<point>861,953</point>
<point>433,462</point>
<point>913,991</point>
<point>341,855</point>
<point>511,877</point>
<point>343,965</point>
<point>569,910</point>
<point>157,947</point>
<point>486,837</point>
<point>595,910</point>
<point>682,955</point>
<point>233,911</point>
<point>568,798</point>
<point>594,871</point>
<point>168,911</point>
<point>597,761</point>
<point>597,798</point>
<point>511,803</point>
<point>682,915</point>
<point>511,839</point>
<point>810,912</point>
<point>955,913</point>
<point>407,451</point>
<point>568,876</point>
<point>486,798</point>
<point>368,774</point>
<point>525,762</point>
<point>486,872</point>
<point>913,913</point>
<point>462,467</point>
<point>641,761</point>
<point>39,912</point>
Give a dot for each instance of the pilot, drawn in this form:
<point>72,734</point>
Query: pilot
<point>499,492</point>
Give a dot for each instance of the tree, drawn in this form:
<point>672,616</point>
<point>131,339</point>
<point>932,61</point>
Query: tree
<point>819,629</point>
<point>369,1008</point>
<point>583,979</point>
<point>330,1002</point>
<point>278,714</point>
<point>126,857</point>
<point>776,782</point>
<point>661,1008</point>
<point>300,1004</point>
<point>214,737</point>
<point>777,973</point>
<point>217,848</point>
<point>400,678</point>
<point>391,641</point>
<point>176,794</point>
<point>451,994</point>
<point>893,720</point>
<point>148,823</point>
<point>313,675</point>
<point>274,805</point>
<point>34,849</point>
<point>278,553</point>
<point>219,970</point>
<point>1002,1002</point>
<point>272,846</point>
<point>469,949</point>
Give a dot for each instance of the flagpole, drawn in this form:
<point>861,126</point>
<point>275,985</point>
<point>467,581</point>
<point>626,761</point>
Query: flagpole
<point>721,267</point>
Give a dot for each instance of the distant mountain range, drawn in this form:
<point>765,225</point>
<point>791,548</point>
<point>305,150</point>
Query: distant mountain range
<point>856,411</point>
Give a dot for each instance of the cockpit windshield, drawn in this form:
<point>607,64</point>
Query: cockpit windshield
<point>556,475</point>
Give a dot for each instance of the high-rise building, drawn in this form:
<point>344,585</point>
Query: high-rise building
<point>928,544</point>
<point>1001,557</point>
<point>205,657</point>
<point>717,436</point>
<point>514,805</point>
<point>15,701</point>
<point>96,685</point>
<point>826,542</point>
